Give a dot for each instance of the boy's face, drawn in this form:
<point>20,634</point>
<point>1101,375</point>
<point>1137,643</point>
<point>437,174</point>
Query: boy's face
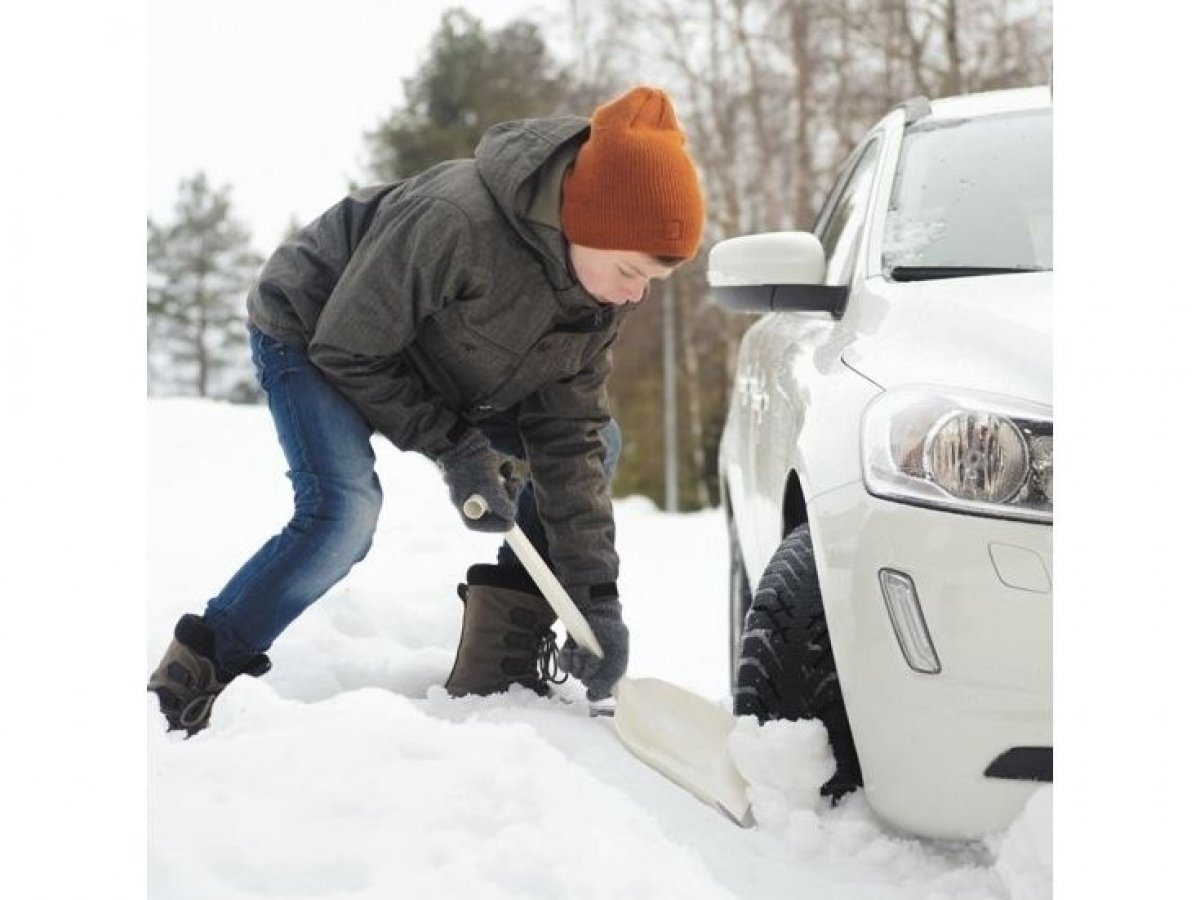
<point>615,276</point>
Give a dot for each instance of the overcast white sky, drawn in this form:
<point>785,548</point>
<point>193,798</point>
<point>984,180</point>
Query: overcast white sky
<point>273,96</point>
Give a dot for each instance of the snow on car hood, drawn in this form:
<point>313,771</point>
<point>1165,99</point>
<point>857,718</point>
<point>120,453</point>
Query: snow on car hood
<point>988,333</point>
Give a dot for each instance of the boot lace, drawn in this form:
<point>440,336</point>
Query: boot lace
<point>547,659</point>
<point>196,712</point>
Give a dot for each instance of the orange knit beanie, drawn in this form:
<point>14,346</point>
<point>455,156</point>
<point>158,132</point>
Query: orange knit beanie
<point>633,186</point>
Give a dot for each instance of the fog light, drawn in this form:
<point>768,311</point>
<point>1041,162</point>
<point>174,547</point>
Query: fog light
<point>908,621</point>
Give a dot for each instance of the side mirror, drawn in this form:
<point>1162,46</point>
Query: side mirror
<point>779,270</point>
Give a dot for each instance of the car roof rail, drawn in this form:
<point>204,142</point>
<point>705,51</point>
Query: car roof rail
<point>915,108</point>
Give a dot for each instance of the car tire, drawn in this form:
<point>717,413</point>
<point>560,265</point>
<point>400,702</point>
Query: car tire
<point>786,668</point>
<point>740,597</point>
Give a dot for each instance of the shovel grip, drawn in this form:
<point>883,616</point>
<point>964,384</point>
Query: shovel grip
<point>475,507</point>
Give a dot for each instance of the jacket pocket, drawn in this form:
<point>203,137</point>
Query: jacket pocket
<point>553,357</point>
<point>459,361</point>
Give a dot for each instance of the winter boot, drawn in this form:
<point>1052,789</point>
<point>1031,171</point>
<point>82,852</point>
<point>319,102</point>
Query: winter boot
<point>188,679</point>
<point>506,635</point>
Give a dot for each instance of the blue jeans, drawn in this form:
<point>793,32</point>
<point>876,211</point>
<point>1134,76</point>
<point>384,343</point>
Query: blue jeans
<point>337,500</point>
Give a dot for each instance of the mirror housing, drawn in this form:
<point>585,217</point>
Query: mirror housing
<point>778,270</point>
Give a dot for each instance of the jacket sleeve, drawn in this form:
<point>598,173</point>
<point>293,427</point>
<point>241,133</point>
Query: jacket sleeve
<point>408,266</point>
<point>560,426</point>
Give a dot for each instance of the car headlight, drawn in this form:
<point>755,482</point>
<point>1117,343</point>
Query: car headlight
<point>969,452</point>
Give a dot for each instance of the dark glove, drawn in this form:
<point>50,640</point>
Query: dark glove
<point>600,675</point>
<point>472,467</point>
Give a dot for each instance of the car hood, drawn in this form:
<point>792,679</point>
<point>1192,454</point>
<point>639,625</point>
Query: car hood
<point>988,333</point>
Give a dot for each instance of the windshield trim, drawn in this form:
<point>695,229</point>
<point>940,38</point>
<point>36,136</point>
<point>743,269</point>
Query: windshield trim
<point>934,273</point>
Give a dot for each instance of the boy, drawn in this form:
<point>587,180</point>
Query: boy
<point>466,313</point>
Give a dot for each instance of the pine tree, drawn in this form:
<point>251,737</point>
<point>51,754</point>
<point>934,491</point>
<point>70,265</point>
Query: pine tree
<point>470,80</point>
<point>200,266</point>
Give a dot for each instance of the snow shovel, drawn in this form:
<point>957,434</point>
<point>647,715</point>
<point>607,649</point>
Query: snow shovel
<point>677,733</point>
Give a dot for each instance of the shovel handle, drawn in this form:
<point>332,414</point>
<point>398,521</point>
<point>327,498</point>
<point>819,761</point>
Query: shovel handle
<point>560,601</point>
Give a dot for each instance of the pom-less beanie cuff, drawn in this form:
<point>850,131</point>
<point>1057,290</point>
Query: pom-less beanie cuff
<point>633,185</point>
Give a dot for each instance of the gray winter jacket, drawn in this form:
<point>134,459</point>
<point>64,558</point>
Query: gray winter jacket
<point>448,297</point>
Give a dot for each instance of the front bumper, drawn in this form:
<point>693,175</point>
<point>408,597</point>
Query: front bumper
<point>926,740</point>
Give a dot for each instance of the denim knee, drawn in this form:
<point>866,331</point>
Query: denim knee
<point>341,512</point>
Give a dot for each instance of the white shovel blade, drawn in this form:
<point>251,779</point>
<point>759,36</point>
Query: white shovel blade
<point>686,738</point>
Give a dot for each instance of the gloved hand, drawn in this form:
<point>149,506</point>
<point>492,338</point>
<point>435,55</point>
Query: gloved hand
<point>600,675</point>
<point>472,467</point>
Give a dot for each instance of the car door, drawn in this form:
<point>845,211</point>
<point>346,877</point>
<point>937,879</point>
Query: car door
<point>782,380</point>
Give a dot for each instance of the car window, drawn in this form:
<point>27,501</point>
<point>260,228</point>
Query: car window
<point>973,194</point>
<point>841,225</point>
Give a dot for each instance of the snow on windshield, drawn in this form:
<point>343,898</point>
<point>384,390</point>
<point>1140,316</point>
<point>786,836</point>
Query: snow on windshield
<point>974,193</point>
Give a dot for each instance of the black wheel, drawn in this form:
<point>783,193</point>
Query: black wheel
<point>786,668</point>
<point>739,602</point>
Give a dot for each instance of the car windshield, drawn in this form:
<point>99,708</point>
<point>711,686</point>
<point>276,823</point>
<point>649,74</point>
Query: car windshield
<point>972,196</point>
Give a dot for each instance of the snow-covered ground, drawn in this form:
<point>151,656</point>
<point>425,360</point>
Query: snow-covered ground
<point>347,771</point>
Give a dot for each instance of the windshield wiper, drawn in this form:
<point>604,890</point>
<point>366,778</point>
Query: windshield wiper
<point>928,273</point>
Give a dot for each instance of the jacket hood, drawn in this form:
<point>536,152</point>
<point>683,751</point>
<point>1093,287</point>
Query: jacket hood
<point>522,163</point>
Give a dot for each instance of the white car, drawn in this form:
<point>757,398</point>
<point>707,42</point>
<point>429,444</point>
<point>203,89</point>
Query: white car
<point>887,465</point>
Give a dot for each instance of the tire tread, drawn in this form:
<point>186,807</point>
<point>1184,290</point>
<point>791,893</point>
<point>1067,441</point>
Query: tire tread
<point>786,669</point>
